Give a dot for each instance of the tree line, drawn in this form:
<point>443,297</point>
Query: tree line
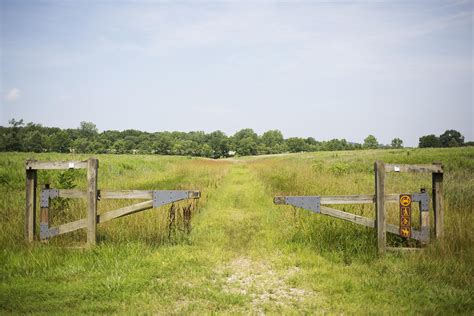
<point>31,137</point>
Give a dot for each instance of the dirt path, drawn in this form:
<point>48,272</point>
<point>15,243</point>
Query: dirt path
<point>238,222</point>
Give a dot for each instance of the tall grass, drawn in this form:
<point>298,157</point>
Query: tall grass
<point>115,172</point>
<point>139,265</point>
<point>337,173</point>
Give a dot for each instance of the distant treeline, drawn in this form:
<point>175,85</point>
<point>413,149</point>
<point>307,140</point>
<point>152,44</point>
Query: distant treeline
<point>32,137</point>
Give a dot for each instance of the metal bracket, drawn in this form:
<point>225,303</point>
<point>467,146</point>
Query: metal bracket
<point>46,233</point>
<point>163,197</point>
<point>424,200</point>
<point>46,194</point>
<point>312,203</point>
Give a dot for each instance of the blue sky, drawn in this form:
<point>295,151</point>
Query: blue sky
<point>320,69</point>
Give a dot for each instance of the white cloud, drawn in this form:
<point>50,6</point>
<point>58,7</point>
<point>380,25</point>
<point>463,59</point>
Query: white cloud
<point>13,95</point>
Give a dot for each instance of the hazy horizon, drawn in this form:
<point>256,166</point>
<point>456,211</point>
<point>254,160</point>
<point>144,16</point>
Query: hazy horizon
<point>309,69</point>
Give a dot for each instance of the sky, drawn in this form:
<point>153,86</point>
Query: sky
<point>341,69</point>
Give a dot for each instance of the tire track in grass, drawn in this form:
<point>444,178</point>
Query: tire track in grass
<point>236,222</point>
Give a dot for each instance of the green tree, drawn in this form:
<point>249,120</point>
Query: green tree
<point>370,142</point>
<point>247,146</point>
<point>81,145</point>
<point>119,147</point>
<point>34,141</point>
<point>336,144</point>
<point>245,133</point>
<point>163,143</point>
<point>397,143</point>
<point>451,138</point>
<point>206,151</point>
<point>60,142</point>
<point>87,129</point>
<point>296,144</point>
<point>429,141</point>
<point>219,143</point>
<point>13,139</point>
<point>272,140</point>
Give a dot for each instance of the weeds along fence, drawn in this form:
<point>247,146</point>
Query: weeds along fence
<point>405,228</point>
<point>153,198</point>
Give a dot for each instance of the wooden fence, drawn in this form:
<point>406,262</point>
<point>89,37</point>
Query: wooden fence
<point>316,204</point>
<point>155,198</point>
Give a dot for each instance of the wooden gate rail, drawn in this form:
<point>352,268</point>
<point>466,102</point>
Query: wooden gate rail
<point>350,217</point>
<point>314,203</point>
<point>154,198</point>
<point>47,194</point>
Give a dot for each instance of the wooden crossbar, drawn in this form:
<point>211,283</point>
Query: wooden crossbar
<point>102,218</point>
<point>55,165</point>
<point>433,168</point>
<point>117,194</point>
<point>110,215</point>
<point>361,220</point>
<point>347,199</point>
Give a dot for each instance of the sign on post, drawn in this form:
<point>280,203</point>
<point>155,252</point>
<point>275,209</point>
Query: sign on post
<point>405,215</point>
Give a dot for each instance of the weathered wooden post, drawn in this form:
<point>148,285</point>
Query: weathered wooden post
<point>379,168</point>
<point>92,166</point>
<point>30,209</point>
<point>438,201</point>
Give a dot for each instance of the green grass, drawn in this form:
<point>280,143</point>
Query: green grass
<point>244,254</point>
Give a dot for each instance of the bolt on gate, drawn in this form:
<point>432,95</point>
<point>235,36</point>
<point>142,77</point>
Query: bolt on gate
<point>405,229</point>
<point>154,198</point>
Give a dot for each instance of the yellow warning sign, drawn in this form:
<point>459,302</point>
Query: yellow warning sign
<point>405,211</point>
<point>405,232</point>
<point>405,215</point>
<point>405,200</point>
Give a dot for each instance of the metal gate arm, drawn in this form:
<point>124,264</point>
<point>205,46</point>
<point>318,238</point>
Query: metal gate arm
<point>163,197</point>
<point>311,203</point>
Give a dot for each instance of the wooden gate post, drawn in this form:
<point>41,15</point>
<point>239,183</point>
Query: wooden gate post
<point>438,202</point>
<point>92,166</point>
<point>379,169</point>
<point>30,209</point>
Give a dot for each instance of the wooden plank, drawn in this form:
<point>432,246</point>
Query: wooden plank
<point>102,218</point>
<point>108,194</point>
<point>30,207</point>
<point>379,167</point>
<point>71,226</point>
<point>72,193</point>
<point>357,199</point>
<point>125,211</point>
<point>365,221</point>
<point>413,168</point>
<point>346,199</point>
<point>126,194</point>
<point>438,202</point>
<point>357,219</point>
<point>92,166</point>
<point>55,165</point>
<point>116,194</point>
<point>368,222</point>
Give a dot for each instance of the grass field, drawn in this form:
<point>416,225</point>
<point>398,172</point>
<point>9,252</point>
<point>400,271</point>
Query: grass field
<point>244,254</point>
